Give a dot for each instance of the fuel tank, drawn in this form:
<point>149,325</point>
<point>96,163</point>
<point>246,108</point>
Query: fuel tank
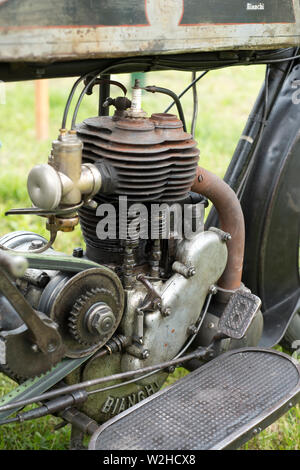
<point>35,31</point>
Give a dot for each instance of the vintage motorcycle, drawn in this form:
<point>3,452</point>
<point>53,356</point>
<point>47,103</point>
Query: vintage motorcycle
<point>92,337</point>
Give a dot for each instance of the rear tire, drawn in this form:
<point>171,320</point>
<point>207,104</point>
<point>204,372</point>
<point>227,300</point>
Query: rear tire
<point>271,205</point>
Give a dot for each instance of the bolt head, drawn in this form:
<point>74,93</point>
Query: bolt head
<point>213,290</point>
<point>92,204</point>
<point>227,237</point>
<point>103,322</point>
<point>51,347</point>
<point>167,312</point>
<point>100,319</point>
<point>146,354</point>
<point>191,271</point>
<point>192,329</point>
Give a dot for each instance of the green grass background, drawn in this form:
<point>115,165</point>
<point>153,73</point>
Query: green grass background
<point>225,100</point>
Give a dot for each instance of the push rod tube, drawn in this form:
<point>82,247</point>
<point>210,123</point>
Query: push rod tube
<point>231,220</point>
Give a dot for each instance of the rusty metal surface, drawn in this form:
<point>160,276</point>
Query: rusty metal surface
<point>231,221</point>
<point>139,149</point>
<point>31,30</point>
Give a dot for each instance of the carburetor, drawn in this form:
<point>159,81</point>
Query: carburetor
<point>64,181</point>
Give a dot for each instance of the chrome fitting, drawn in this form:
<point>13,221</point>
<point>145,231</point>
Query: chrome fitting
<point>64,181</point>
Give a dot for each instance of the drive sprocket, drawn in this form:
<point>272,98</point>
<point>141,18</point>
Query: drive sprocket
<point>79,316</point>
<point>85,296</point>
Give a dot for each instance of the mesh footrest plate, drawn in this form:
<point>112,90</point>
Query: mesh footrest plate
<point>220,405</point>
<point>239,313</point>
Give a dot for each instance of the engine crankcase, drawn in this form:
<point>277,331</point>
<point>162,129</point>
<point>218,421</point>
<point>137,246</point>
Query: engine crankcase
<point>183,297</point>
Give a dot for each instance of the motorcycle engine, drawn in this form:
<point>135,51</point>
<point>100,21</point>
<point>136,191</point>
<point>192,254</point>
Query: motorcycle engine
<point>137,295</point>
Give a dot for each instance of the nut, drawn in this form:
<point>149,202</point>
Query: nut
<point>226,237</point>
<point>145,354</point>
<point>191,271</point>
<point>100,319</point>
<point>213,290</point>
<point>192,329</point>
<point>166,312</point>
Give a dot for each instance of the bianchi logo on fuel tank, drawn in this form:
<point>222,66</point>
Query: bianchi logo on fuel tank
<point>255,6</point>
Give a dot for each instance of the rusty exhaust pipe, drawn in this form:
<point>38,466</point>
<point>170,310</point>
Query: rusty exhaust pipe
<point>231,220</point>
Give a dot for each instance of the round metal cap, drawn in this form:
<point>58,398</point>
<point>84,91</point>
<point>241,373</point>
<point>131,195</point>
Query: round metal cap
<point>44,187</point>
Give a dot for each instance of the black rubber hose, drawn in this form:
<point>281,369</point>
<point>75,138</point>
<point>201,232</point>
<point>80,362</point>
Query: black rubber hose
<point>89,84</point>
<point>166,91</point>
<point>195,105</point>
<point>193,82</point>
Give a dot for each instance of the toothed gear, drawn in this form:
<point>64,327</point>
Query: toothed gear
<point>78,320</point>
<point>88,310</point>
<point>21,377</point>
<point>5,369</point>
